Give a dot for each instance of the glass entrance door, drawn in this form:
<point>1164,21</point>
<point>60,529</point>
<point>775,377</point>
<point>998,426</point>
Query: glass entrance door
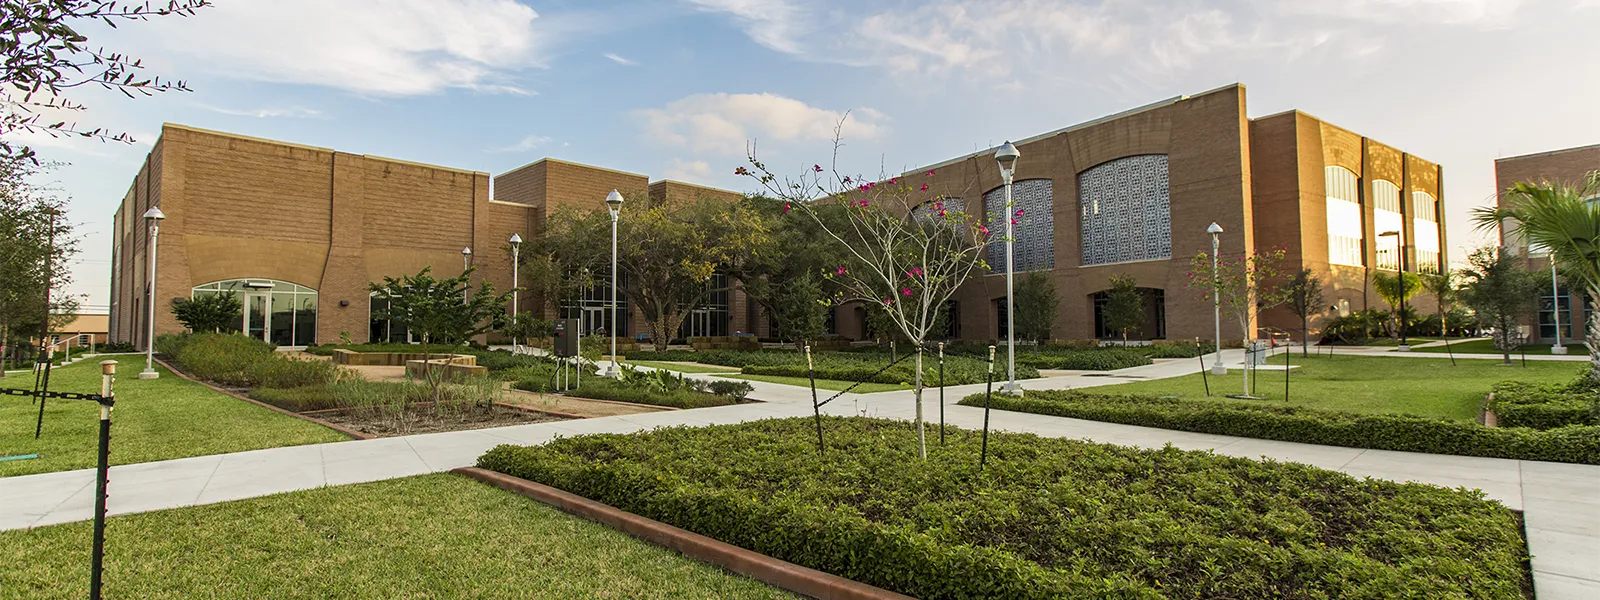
<point>257,315</point>
<point>699,323</point>
<point>594,319</point>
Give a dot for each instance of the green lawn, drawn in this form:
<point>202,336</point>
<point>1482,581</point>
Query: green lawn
<point>824,384</point>
<point>434,536</point>
<point>154,420</point>
<point>1487,347</point>
<point>1368,384</point>
<point>680,367</point>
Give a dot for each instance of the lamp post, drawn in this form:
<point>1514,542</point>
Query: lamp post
<point>516,244</point>
<point>614,206</point>
<point>153,217</point>
<point>1216,297</point>
<point>1555,306</point>
<point>466,258</point>
<point>1007,156</point>
<point>1400,288</point>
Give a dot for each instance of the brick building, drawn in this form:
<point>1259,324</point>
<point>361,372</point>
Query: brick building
<point>1133,193</point>
<point>300,231</point>
<point>1571,166</point>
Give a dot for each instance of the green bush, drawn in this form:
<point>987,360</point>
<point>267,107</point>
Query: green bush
<point>1179,350</point>
<point>1523,404</point>
<point>277,371</point>
<point>124,347</point>
<point>1406,433</point>
<point>1104,359</point>
<point>1047,518</point>
<point>738,390</point>
<point>600,388</point>
<point>226,358</point>
<point>170,344</point>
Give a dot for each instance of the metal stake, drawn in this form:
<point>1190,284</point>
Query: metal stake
<point>941,393</point>
<point>988,396</point>
<point>108,370</point>
<point>816,409</point>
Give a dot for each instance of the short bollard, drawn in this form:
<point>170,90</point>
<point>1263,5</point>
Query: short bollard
<point>108,375</point>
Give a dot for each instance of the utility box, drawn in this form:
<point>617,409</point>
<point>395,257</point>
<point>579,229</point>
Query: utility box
<point>566,338</point>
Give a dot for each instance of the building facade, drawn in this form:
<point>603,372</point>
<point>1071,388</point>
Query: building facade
<point>299,232</point>
<point>1133,194</point>
<point>1568,305</point>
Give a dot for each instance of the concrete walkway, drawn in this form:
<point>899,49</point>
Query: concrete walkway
<point>1561,502</point>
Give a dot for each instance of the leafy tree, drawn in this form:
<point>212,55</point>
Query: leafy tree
<point>436,311</point>
<point>1245,284</point>
<point>1442,286</point>
<point>1124,307</point>
<point>37,245</point>
<point>1303,297</point>
<point>904,249</point>
<point>667,252</point>
<point>210,312</point>
<point>1396,289</point>
<point>1564,219</point>
<point>45,57</point>
<point>1502,292</point>
<point>1037,306</point>
<point>784,277</point>
<point>799,307</point>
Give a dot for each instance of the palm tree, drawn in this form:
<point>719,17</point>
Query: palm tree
<point>1565,220</point>
<point>1442,286</point>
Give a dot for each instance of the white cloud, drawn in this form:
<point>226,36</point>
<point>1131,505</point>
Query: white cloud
<point>722,123</point>
<point>292,112</point>
<point>691,171</point>
<point>379,47</point>
<point>527,143</point>
<point>619,59</point>
<point>771,23</point>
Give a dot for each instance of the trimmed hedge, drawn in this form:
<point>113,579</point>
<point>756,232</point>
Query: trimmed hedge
<point>855,365</point>
<point>1048,518</point>
<point>600,388</point>
<point>1406,433</point>
<point>1522,404</point>
<point>1106,359</point>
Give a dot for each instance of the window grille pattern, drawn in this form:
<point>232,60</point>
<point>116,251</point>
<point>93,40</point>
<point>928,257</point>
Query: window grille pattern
<point>1035,231</point>
<point>1125,207</point>
<point>1344,217</point>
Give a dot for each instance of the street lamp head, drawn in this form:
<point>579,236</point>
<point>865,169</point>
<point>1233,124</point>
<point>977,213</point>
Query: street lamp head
<point>1389,233</point>
<point>515,239</point>
<point>154,214</point>
<point>1214,229</point>
<point>614,202</point>
<point>1007,156</point>
<point>466,251</point>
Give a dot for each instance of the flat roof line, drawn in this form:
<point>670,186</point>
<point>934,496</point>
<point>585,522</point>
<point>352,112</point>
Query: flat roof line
<point>1551,152</point>
<point>1035,138</point>
<point>548,159</point>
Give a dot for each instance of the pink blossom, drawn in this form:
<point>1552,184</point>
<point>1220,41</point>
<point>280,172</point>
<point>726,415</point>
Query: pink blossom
<point>938,206</point>
<point>840,270</point>
<point>983,230</point>
<point>905,291</point>
<point>894,180</point>
<point>847,179</point>
<point>924,188</point>
<point>741,171</point>
<point>1013,221</point>
<point>1019,212</point>
<point>786,207</point>
<point>943,213</point>
<point>888,300</point>
<point>930,173</point>
<point>817,168</point>
<point>864,204</point>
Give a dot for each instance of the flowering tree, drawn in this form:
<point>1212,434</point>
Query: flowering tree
<point>904,249</point>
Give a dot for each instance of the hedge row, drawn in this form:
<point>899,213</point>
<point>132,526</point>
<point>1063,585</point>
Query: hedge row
<point>1406,433</point>
<point>600,388</point>
<point>1108,359</point>
<point>1047,518</point>
<point>1523,404</point>
<point>844,366</point>
<point>237,360</point>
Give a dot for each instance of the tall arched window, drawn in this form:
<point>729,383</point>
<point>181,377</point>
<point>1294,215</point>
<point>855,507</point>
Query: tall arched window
<point>1386,217</point>
<point>1344,217</point>
<point>1425,225</point>
<point>1125,209</point>
<point>279,312</point>
<point>1035,229</point>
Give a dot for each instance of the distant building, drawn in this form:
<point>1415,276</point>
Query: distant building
<point>1570,166</point>
<point>83,331</point>
<point>300,231</point>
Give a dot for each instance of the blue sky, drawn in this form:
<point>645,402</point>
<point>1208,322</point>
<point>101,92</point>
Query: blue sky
<point>674,88</point>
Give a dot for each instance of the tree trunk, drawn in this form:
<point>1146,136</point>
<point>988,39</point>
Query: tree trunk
<point>1305,337</point>
<point>922,445</point>
<point>1591,339</point>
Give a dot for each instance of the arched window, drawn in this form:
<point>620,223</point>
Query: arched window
<point>1386,217</point>
<point>1425,227</point>
<point>1125,206</point>
<point>1035,229</point>
<point>279,312</point>
<point>1344,217</point>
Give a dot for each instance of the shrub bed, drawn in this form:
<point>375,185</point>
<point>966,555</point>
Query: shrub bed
<point>843,366</point>
<point>1522,404</point>
<point>241,361</point>
<point>1406,433</point>
<point>1048,518</point>
<point>1106,359</point>
<point>600,388</point>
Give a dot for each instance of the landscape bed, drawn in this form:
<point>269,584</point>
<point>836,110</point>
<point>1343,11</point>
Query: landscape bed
<point>1048,518</point>
<point>1270,421</point>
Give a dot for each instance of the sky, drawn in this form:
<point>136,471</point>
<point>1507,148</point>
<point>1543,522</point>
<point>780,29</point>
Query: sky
<point>676,89</point>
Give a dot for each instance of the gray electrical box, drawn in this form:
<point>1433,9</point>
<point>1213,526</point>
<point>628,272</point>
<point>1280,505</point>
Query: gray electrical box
<point>566,338</point>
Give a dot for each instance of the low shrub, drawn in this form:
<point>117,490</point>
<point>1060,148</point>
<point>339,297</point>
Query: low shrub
<point>278,371</point>
<point>738,390</point>
<point>1406,433</point>
<point>1523,404</point>
<point>385,396</point>
<point>1047,518</point>
<point>600,388</point>
<point>1105,359</point>
<point>1179,350</point>
<point>226,358</point>
<point>170,344</point>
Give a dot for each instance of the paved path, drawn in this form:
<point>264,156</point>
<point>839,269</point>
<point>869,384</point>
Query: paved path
<point>1561,501</point>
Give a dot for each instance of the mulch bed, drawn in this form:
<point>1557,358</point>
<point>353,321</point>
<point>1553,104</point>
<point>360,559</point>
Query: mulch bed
<point>422,419</point>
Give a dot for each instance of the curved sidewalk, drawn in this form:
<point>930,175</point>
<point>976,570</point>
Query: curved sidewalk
<point>1561,502</point>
